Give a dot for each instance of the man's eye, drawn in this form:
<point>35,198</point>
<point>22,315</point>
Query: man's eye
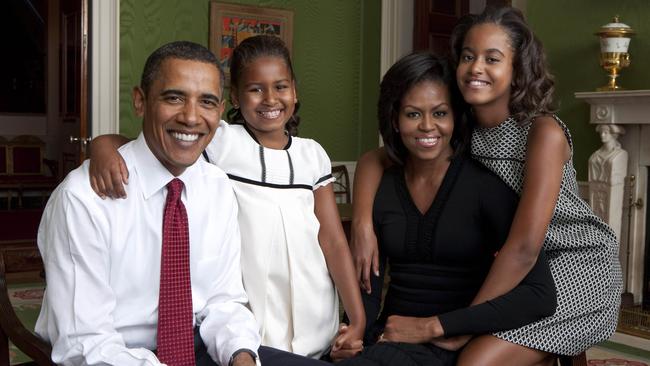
<point>209,103</point>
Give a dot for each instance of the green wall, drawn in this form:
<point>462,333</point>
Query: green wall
<point>335,53</point>
<point>567,30</point>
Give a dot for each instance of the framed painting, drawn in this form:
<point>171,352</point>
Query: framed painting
<point>230,24</point>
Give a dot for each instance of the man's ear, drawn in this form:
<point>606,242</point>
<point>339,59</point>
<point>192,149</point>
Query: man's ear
<point>138,101</point>
<point>222,106</point>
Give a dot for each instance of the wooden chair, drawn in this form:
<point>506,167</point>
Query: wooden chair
<point>11,329</point>
<point>4,156</point>
<point>342,184</point>
<point>579,360</point>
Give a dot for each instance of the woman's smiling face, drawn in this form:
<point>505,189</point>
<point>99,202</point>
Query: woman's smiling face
<point>426,121</point>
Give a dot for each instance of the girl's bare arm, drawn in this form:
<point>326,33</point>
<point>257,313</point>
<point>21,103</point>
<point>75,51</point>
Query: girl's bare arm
<point>547,152</point>
<point>108,173</point>
<point>339,261</point>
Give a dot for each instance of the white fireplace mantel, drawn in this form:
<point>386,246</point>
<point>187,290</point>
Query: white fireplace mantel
<point>631,109</point>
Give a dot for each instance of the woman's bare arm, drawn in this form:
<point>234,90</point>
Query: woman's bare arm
<point>367,176</point>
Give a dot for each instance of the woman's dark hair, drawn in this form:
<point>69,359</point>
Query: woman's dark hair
<point>531,93</point>
<point>246,52</point>
<point>399,79</point>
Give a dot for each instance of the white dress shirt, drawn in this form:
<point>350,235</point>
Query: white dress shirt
<point>102,261</point>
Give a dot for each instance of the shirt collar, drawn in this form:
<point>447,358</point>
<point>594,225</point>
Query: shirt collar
<point>152,175</point>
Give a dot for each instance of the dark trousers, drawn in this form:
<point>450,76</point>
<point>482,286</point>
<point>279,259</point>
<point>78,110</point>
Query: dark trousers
<point>269,356</point>
<point>403,354</point>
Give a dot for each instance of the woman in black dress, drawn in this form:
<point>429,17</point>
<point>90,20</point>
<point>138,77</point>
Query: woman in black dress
<point>440,219</point>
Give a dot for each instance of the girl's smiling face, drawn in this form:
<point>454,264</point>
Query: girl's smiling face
<point>426,121</point>
<point>266,96</point>
<point>485,70</point>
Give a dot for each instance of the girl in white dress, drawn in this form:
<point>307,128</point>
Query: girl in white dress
<point>294,250</point>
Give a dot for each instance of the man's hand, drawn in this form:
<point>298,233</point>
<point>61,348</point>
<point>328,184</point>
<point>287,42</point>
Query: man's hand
<point>243,359</point>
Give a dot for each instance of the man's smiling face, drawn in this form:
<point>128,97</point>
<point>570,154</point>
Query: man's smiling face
<point>180,111</point>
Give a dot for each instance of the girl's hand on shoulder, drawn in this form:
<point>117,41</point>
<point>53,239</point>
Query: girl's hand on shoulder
<point>107,170</point>
<point>365,254</point>
<point>347,343</point>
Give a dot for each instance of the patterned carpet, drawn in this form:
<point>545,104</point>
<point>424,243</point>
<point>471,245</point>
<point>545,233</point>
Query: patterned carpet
<point>27,301</point>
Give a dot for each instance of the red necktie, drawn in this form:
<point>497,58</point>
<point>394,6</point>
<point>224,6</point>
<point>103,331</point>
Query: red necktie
<point>175,333</point>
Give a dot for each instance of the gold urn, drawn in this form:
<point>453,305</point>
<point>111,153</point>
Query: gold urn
<point>614,56</point>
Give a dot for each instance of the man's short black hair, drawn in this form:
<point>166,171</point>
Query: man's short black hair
<point>182,50</point>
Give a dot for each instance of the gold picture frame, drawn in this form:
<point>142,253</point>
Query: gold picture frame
<point>230,24</point>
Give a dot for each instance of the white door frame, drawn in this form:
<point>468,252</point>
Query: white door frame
<point>105,78</point>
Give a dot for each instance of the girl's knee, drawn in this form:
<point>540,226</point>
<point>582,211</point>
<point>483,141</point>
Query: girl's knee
<point>492,351</point>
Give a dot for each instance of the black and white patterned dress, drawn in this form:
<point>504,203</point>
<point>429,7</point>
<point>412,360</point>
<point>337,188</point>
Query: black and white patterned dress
<point>582,251</point>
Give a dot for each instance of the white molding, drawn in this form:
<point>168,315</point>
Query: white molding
<point>630,108</point>
<point>629,340</point>
<point>105,105</point>
<point>396,32</point>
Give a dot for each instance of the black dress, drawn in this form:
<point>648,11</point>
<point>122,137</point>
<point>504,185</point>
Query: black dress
<point>439,259</point>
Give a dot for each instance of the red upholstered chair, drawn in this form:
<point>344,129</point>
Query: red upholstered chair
<point>18,254</point>
<point>11,328</point>
<point>26,169</point>
<point>27,155</point>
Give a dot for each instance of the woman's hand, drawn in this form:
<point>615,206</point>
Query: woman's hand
<point>348,342</point>
<point>108,172</point>
<point>453,343</point>
<point>364,253</point>
<point>410,329</point>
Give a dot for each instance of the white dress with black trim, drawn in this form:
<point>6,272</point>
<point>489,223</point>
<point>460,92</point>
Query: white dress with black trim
<point>284,271</point>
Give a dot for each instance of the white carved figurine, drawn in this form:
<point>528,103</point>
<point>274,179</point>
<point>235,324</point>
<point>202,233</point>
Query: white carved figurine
<point>607,170</point>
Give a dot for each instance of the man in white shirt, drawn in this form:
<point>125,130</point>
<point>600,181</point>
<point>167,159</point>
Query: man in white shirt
<point>103,257</point>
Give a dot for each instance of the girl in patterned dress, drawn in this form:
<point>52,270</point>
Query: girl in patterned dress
<point>502,74</point>
<point>294,250</point>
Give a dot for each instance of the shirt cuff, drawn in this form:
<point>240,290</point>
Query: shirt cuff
<point>250,352</point>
